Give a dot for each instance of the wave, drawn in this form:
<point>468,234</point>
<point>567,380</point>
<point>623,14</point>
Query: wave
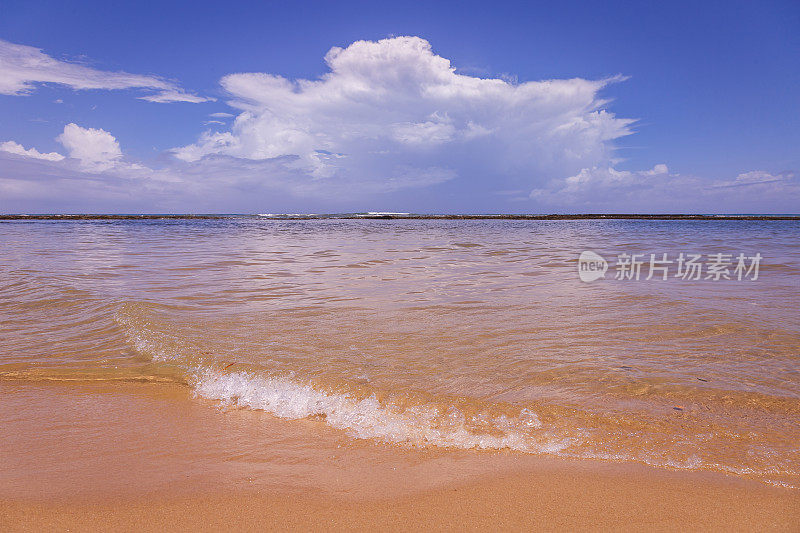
<point>433,425</point>
<point>369,418</point>
<point>424,421</point>
<point>423,425</point>
<point>287,215</point>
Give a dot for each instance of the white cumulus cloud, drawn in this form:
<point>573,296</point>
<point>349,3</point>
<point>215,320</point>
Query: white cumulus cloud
<point>390,123</point>
<point>15,148</point>
<point>23,67</point>
<point>96,149</point>
<point>393,111</point>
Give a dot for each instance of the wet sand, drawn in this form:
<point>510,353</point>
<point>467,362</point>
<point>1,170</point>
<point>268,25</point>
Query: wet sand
<point>142,456</point>
<point>544,501</point>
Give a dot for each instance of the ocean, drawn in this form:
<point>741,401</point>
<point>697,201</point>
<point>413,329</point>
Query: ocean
<point>438,334</point>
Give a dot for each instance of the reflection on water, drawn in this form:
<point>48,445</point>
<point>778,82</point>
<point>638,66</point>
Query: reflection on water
<point>468,334</point>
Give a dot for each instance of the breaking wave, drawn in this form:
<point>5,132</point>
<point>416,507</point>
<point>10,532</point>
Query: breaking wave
<point>369,418</point>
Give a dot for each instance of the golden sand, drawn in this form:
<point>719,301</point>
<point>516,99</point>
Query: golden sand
<point>130,456</point>
<point>374,374</point>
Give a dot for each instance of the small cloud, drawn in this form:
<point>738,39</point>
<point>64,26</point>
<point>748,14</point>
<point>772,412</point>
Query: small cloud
<point>658,189</point>
<point>166,97</point>
<point>221,115</point>
<point>15,148</point>
<point>510,192</point>
<point>22,68</point>
<point>96,149</point>
<point>755,177</point>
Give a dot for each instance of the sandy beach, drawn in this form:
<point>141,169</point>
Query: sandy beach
<point>564,500</point>
<point>381,266</point>
<point>394,374</point>
<point>97,470</point>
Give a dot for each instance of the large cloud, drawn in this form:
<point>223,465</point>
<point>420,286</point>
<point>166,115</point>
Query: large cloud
<point>393,111</point>
<point>392,126</point>
<point>22,67</point>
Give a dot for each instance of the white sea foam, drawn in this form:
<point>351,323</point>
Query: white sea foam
<point>272,215</point>
<point>368,418</point>
<point>419,425</point>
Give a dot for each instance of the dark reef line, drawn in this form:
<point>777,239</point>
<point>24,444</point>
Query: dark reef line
<point>582,216</point>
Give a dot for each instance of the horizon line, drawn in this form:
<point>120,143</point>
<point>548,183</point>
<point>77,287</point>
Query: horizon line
<point>398,216</point>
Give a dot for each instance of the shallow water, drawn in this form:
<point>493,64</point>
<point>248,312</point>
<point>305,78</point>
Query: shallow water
<point>445,334</point>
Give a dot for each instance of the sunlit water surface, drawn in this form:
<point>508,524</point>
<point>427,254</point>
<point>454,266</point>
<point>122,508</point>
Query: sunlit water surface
<point>448,334</point>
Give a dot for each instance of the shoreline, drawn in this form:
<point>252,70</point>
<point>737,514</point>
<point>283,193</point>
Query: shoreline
<point>151,457</point>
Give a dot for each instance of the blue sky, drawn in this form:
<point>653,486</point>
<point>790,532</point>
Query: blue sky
<point>663,107</point>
